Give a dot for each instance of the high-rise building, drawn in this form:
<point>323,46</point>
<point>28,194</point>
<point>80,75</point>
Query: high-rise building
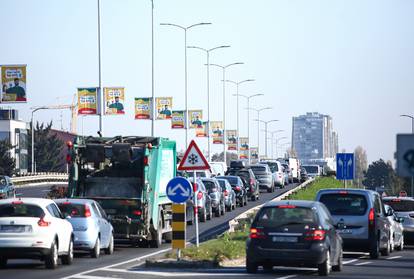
<point>313,137</point>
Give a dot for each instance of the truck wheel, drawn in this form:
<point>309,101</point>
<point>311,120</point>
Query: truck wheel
<point>156,240</point>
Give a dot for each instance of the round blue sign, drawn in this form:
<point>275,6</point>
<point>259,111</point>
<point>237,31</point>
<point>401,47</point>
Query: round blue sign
<point>179,190</point>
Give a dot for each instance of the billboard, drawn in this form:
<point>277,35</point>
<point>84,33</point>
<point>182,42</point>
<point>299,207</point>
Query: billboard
<point>254,153</point>
<point>114,99</point>
<point>217,131</point>
<point>231,139</point>
<point>143,108</point>
<point>203,130</point>
<point>13,84</point>
<point>178,119</point>
<point>88,101</point>
<point>244,143</point>
<point>244,154</point>
<point>196,119</point>
<point>163,107</point>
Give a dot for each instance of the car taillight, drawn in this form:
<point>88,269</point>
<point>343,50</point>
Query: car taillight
<point>199,195</point>
<point>286,206</point>
<point>237,188</point>
<point>343,192</point>
<point>146,161</point>
<point>315,235</point>
<point>371,217</point>
<point>87,211</point>
<point>17,202</point>
<point>68,158</point>
<point>226,193</point>
<point>257,234</point>
<point>42,222</point>
<point>251,181</point>
<point>137,212</point>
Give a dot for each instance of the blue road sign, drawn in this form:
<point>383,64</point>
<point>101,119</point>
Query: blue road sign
<point>345,166</point>
<point>179,190</point>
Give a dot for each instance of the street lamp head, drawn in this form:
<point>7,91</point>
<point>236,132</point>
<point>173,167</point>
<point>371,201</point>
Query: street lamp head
<point>406,115</point>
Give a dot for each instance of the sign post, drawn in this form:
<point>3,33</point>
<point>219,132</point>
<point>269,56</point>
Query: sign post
<point>194,160</point>
<point>405,157</point>
<point>345,165</point>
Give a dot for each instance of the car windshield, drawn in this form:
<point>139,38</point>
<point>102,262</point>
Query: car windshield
<point>273,166</point>
<point>231,179</point>
<point>345,204</point>
<point>72,209</point>
<point>242,174</point>
<point>400,205</point>
<point>311,169</point>
<point>280,216</point>
<point>21,210</point>
<point>222,183</point>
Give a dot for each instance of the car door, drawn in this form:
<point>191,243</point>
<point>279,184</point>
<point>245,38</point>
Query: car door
<point>329,226</point>
<point>383,225</point>
<point>107,227</point>
<point>97,215</point>
<point>62,227</point>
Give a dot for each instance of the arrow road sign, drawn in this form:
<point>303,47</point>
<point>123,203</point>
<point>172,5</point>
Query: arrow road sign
<point>405,155</point>
<point>345,166</point>
<point>193,159</point>
<point>179,190</point>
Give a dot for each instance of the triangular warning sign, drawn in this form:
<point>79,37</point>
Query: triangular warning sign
<point>193,159</point>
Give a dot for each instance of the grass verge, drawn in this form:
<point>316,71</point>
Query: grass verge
<point>309,193</point>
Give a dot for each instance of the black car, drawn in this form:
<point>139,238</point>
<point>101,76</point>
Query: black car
<point>239,168</point>
<point>238,186</point>
<point>7,189</point>
<point>294,233</point>
<point>303,175</point>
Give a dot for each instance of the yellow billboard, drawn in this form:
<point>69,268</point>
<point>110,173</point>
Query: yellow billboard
<point>143,107</point>
<point>196,119</point>
<point>88,101</point>
<point>114,99</point>
<point>217,131</point>
<point>163,107</point>
<point>178,119</point>
<point>13,84</point>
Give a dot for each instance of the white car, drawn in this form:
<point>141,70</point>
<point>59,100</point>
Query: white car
<point>396,229</point>
<point>35,229</point>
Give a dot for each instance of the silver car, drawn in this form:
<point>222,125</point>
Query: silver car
<point>397,230</point>
<point>264,176</point>
<point>91,227</point>
<point>403,208</point>
<point>216,194</point>
<point>203,200</point>
<point>229,194</point>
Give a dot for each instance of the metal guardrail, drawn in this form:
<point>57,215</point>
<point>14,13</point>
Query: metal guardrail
<point>233,223</point>
<point>40,177</point>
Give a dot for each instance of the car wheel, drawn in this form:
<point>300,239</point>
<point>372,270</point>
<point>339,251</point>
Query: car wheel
<point>68,258</point>
<point>270,190</point>
<point>325,268</point>
<point>253,198</point>
<point>224,209</point>
<point>241,203</point>
<point>401,246</point>
<point>96,251</point>
<point>110,249</point>
<point>251,267</point>
<point>203,216</point>
<point>387,251</point>
<point>51,260</point>
<point>268,268</point>
<point>156,241</point>
<point>191,221</point>
<point>3,262</point>
<point>217,211</point>
<point>374,250</point>
<point>340,264</point>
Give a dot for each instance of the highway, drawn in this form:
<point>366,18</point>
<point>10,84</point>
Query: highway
<point>25,269</point>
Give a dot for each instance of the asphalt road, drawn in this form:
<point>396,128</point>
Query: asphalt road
<point>124,255</point>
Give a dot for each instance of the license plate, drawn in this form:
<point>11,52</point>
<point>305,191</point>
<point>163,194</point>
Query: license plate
<point>14,228</point>
<point>289,239</point>
<point>345,231</point>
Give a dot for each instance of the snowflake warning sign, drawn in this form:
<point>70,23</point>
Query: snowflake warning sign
<point>193,159</point>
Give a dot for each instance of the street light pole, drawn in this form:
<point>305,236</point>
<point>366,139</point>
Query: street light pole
<point>277,141</point>
<point>266,123</point>
<point>185,28</point>
<point>412,131</point>
<point>224,103</point>
<point>100,72</point>
<point>258,126</point>
<point>237,112</point>
<point>207,51</point>
<point>152,72</point>
<point>272,133</point>
<point>248,118</point>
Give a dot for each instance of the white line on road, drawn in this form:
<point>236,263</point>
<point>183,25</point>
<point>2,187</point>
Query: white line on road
<point>286,277</point>
<point>173,274</point>
<point>93,277</point>
<point>393,258</point>
<point>363,263</point>
<point>350,261</point>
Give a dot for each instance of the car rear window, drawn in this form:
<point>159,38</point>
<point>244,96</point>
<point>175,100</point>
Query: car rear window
<point>209,185</point>
<point>258,168</point>
<point>276,216</point>
<point>400,205</point>
<point>72,209</point>
<point>21,210</point>
<point>311,169</point>
<point>231,180</point>
<point>242,174</point>
<point>345,204</point>
<point>222,183</point>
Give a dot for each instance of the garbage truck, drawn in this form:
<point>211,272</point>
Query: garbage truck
<point>128,177</point>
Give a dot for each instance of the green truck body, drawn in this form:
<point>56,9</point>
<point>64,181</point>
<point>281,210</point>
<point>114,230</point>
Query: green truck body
<point>128,177</point>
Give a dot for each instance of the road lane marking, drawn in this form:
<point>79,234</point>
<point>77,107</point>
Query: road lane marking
<point>350,261</point>
<point>393,258</point>
<point>93,277</point>
<point>363,263</point>
<point>286,277</point>
<point>173,274</point>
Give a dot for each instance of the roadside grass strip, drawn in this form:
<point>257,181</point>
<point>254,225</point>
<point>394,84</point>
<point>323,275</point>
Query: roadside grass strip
<point>309,193</point>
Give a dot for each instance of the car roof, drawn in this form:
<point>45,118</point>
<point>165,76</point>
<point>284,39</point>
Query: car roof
<point>81,201</point>
<point>299,203</point>
<point>349,190</point>
<point>37,201</point>
<point>229,176</point>
<point>260,165</point>
<point>399,198</point>
<point>208,179</point>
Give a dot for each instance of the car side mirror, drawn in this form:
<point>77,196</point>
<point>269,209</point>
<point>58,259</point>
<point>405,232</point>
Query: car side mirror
<point>68,217</point>
<point>390,212</point>
<point>399,219</point>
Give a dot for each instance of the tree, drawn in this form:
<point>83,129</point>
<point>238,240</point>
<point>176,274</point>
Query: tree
<point>218,157</point>
<point>361,165</point>
<point>381,174</point>
<point>47,150</point>
<point>7,162</point>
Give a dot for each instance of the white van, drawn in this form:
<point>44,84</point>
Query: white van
<point>218,168</point>
<point>295,169</point>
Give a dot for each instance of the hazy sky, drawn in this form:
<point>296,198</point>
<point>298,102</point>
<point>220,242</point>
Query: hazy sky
<point>350,59</point>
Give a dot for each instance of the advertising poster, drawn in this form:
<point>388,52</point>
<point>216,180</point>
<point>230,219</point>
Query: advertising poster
<point>163,106</point>
<point>114,99</point>
<point>244,143</point>
<point>196,119</point>
<point>231,139</point>
<point>13,84</point>
<point>254,153</point>
<point>244,154</point>
<point>217,132</point>
<point>203,131</point>
<point>87,101</point>
<point>143,108</point>
<point>178,119</point>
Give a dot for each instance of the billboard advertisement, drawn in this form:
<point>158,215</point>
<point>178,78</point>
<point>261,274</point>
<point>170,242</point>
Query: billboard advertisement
<point>143,108</point>
<point>178,119</point>
<point>244,154</point>
<point>196,119</point>
<point>114,99</point>
<point>163,106</point>
<point>231,139</point>
<point>87,101</point>
<point>254,153</point>
<point>13,84</point>
<point>203,130</point>
<point>217,132</point>
<point>244,143</point>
